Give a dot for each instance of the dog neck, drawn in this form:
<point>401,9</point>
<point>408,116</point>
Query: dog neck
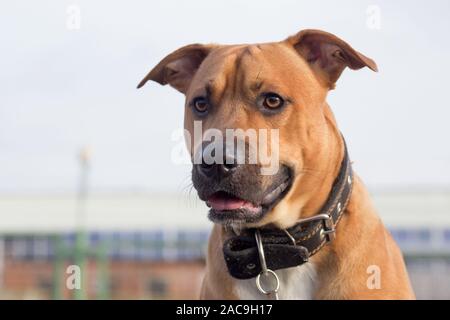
<point>319,192</point>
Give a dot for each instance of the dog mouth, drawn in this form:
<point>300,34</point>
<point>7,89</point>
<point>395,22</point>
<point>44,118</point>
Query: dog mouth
<point>228,208</point>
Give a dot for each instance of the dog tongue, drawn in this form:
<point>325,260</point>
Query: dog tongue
<point>222,202</point>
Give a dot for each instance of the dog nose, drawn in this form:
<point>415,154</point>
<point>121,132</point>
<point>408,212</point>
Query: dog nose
<point>218,161</point>
<point>219,169</point>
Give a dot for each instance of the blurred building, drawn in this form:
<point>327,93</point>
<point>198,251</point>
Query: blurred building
<point>142,246</point>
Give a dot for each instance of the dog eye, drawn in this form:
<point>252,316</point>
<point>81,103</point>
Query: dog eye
<point>200,105</point>
<point>273,101</point>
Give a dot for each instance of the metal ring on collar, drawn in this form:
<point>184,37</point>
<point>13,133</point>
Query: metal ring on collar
<point>264,270</point>
<point>269,291</point>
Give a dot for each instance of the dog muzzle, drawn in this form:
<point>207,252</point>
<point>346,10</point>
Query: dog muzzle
<point>286,248</point>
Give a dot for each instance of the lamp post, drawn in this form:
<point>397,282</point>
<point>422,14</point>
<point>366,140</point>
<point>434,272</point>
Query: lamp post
<point>80,220</point>
<point>81,251</point>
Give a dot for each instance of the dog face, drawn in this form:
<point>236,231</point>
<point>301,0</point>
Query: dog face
<point>277,88</point>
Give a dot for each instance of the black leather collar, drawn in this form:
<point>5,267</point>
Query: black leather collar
<point>293,246</point>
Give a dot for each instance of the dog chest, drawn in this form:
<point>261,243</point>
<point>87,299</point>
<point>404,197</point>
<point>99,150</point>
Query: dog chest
<point>296,283</point>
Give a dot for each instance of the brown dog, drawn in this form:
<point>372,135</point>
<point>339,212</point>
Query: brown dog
<point>283,85</point>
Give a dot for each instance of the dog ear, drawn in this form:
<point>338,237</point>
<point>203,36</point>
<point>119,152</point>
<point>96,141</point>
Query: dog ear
<point>179,67</point>
<point>328,55</point>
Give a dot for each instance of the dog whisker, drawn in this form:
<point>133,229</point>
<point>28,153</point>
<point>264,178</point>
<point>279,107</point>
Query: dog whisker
<point>186,191</point>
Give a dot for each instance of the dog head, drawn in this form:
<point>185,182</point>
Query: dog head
<point>267,100</point>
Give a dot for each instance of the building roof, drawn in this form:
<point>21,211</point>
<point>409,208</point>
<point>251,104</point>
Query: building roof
<point>142,211</point>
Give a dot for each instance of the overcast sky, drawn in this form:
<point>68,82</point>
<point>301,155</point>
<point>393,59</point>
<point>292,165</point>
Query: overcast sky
<point>63,88</point>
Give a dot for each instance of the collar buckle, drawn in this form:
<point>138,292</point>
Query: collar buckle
<point>328,229</point>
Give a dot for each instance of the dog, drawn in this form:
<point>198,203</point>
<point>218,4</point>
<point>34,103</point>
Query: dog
<point>309,230</point>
